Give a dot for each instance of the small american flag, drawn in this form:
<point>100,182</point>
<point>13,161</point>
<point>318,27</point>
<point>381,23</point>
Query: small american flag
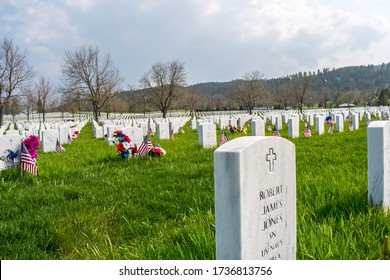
<point>307,132</point>
<point>171,135</point>
<point>27,162</point>
<point>59,148</point>
<point>350,127</point>
<point>145,147</point>
<point>223,138</point>
<point>69,140</point>
<point>276,133</point>
<point>330,130</point>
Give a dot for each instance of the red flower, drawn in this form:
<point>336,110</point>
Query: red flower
<point>120,147</point>
<point>157,151</point>
<point>127,138</point>
<point>118,132</point>
<point>76,132</point>
<point>134,150</point>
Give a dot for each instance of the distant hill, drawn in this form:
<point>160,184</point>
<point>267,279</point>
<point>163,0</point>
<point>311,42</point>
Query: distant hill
<point>211,88</point>
<point>369,77</point>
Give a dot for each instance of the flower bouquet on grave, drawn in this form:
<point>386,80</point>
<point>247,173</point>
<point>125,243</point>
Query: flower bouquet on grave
<point>122,143</point>
<point>157,151</point>
<point>29,155</point>
<point>32,144</point>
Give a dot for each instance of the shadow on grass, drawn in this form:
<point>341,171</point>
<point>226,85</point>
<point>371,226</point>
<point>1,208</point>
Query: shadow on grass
<point>15,175</point>
<point>343,207</point>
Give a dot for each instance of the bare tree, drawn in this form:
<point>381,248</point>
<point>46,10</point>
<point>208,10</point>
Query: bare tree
<point>15,72</point>
<point>163,81</point>
<point>28,103</point>
<point>44,92</point>
<point>115,105</point>
<point>299,88</point>
<point>348,97</point>
<point>282,95</point>
<point>250,91</point>
<point>189,99</point>
<point>367,96</point>
<point>325,95</point>
<point>13,107</point>
<point>90,77</point>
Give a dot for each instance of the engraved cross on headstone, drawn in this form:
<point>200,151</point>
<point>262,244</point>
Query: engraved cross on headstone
<point>271,157</point>
<point>10,143</point>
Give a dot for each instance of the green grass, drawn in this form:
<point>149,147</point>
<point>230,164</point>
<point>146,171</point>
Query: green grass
<point>88,203</point>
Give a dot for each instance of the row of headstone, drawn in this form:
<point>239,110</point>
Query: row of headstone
<point>63,134</point>
<point>136,130</point>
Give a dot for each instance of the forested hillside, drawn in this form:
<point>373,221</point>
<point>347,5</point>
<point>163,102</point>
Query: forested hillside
<point>360,85</point>
<point>370,77</point>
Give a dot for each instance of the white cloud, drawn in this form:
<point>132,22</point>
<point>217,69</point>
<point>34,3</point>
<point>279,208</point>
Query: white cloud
<point>83,5</point>
<point>212,7</point>
<point>217,40</point>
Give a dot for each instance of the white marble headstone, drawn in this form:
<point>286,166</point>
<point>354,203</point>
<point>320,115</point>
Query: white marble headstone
<point>163,130</point>
<point>12,132</point>
<point>63,132</point>
<point>320,125</point>
<point>311,119</point>
<point>9,142</point>
<point>378,141</point>
<point>278,123</point>
<point>135,134</point>
<point>97,131</point>
<point>339,123</point>
<point>233,122</point>
<point>255,199</point>
<point>293,127</point>
<point>49,140</point>
<point>207,135</point>
<point>258,127</point>
<point>152,126</point>
<point>355,121</point>
<point>193,123</point>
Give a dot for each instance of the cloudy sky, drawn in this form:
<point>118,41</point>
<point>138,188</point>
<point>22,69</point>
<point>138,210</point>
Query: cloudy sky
<point>217,40</point>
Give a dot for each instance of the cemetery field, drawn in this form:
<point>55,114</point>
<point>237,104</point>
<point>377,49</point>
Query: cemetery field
<point>88,203</point>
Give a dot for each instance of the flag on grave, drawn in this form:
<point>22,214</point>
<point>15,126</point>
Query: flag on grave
<point>11,159</point>
<point>59,148</point>
<point>223,138</point>
<point>69,140</point>
<point>171,135</point>
<point>27,162</point>
<point>330,130</point>
<point>145,146</point>
<point>12,156</point>
<point>307,132</point>
<point>276,133</point>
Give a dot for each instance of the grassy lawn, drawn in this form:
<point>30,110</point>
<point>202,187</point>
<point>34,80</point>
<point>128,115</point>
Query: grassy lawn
<point>88,203</point>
